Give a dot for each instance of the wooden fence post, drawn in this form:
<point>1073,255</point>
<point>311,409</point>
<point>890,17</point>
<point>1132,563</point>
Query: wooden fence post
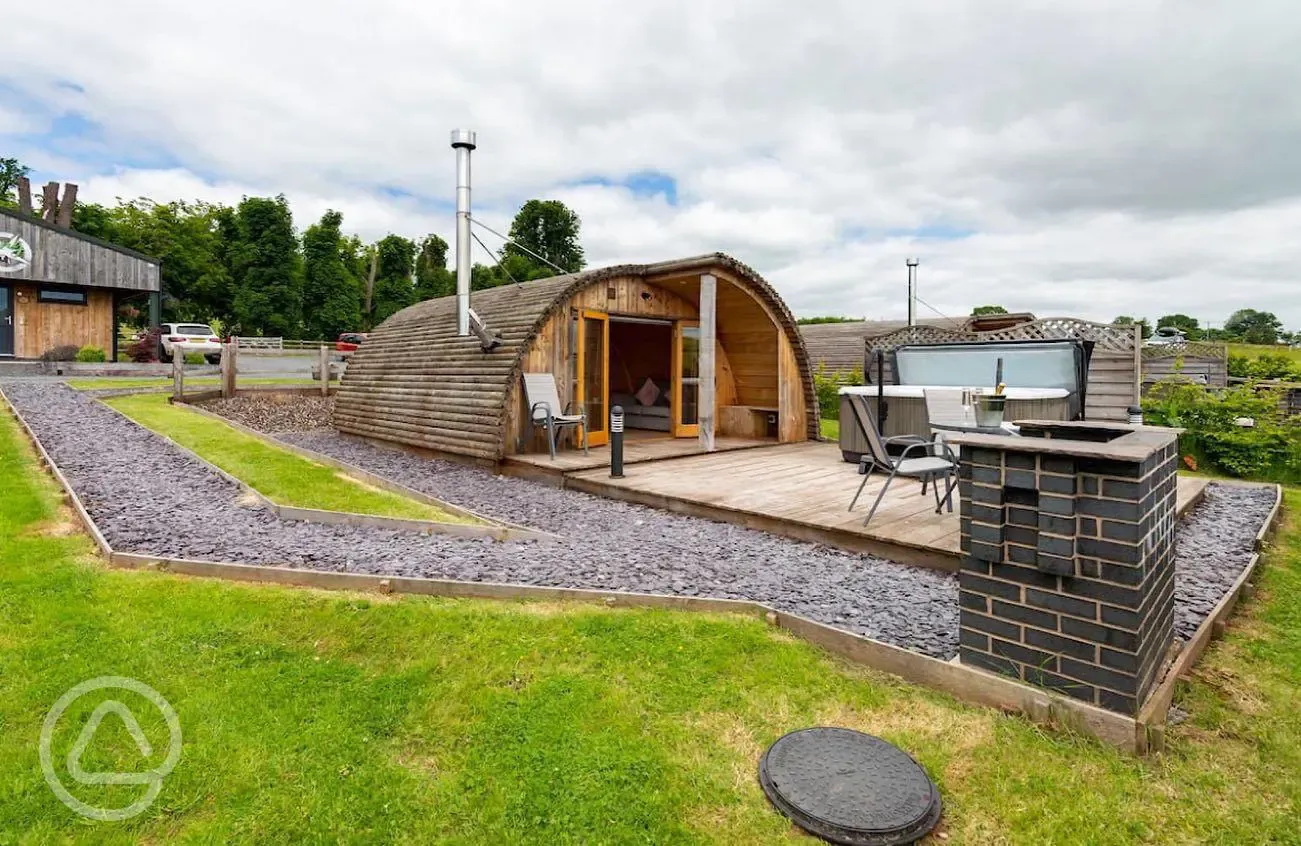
<point>325,370</point>
<point>228,370</point>
<point>178,372</point>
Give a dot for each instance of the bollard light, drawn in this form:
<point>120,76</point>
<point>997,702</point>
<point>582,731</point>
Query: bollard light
<point>616,442</point>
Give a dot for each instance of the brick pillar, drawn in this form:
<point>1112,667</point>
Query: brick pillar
<point>1067,580</point>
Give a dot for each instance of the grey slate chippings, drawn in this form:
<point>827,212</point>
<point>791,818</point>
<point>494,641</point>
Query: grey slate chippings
<point>116,467</point>
<point>1212,546</point>
<point>148,497</point>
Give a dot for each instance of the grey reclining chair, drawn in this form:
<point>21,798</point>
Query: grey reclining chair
<point>545,410</point>
<point>929,461</point>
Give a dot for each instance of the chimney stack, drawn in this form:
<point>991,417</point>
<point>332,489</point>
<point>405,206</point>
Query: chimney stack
<point>463,141</point>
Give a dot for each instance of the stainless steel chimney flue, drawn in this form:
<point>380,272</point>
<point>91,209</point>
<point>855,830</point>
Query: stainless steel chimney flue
<point>463,141</point>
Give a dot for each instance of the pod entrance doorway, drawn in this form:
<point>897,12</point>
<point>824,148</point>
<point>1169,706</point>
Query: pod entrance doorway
<point>849,787</point>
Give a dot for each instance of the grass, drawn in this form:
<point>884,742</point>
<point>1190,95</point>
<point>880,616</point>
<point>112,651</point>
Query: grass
<point>92,383</point>
<point>830,427</point>
<point>1257,350</point>
<point>280,475</point>
<point>317,717</point>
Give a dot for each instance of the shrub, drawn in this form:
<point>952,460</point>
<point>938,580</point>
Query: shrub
<point>91,354</point>
<point>145,349</point>
<point>63,352</point>
<point>195,358</point>
<point>1269,449</point>
<point>828,385</point>
<point>1270,365</point>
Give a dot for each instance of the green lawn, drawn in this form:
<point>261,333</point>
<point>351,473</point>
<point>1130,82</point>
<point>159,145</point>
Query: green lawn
<point>830,428</point>
<point>316,717</point>
<point>92,383</point>
<point>281,476</point>
<point>1256,350</point>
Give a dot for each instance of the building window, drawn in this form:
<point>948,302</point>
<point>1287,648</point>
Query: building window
<point>62,295</point>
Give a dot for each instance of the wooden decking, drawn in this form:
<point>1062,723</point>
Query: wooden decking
<point>801,491</point>
<point>638,447</point>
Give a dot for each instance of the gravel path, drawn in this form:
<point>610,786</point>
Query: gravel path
<point>1214,543</point>
<point>273,413</point>
<point>609,545</point>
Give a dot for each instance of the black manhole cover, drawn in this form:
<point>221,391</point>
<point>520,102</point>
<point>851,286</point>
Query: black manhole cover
<point>849,787</point>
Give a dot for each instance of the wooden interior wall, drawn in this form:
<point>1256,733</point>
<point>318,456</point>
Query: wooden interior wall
<point>550,350</point>
<point>42,326</point>
<point>792,423</point>
<point>749,335</point>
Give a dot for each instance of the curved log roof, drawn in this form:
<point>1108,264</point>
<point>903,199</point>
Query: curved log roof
<point>415,381</point>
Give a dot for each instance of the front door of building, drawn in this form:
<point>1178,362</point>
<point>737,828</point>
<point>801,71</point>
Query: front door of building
<point>686,379</point>
<point>6,321</point>
<point>594,374</point>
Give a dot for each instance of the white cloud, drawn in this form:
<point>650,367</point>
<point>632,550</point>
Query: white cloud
<point>1108,156</point>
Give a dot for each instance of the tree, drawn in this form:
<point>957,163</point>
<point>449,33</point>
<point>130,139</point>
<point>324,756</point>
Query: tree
<point>1144,326</point>
<point>11,170</point>
<point>978,311</point>
<point>1253,327</point>
<point>550,229</point>
<point>483,277</point>
<point>267,269</point>
<point>394,284</point>
<point>1188,325</point>
<point>331,292</point>
<point>433,279</point>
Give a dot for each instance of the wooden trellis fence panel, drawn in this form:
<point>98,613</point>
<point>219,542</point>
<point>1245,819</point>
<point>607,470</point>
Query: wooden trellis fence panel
<point>1114,369</point>
<point>1206,362</point>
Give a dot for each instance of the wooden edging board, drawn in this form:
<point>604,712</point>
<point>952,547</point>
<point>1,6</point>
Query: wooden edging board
<point>490,530</point>
<point>1152,717</point>
<point>514,531</point>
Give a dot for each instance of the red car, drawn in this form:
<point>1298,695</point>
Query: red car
<point>349,341</point>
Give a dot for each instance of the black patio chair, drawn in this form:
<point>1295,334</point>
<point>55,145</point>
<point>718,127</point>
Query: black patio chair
<point>934,462</point>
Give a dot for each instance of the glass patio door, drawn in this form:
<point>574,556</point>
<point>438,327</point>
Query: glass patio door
<point>594,374</point>
<point>686,379</point>
<point>6,322</point>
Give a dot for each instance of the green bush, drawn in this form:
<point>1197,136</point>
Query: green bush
<point>195,358</point>
<point>1270,365</point>
<point>1270,449</point>
<point>91,355</point>
<point>828,385</point>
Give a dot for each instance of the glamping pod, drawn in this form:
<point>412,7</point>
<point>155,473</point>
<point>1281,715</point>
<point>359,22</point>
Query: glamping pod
<point>629,335</point>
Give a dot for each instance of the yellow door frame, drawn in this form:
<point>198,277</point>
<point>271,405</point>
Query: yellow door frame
<point>596,436</point>
<point>680,429</point>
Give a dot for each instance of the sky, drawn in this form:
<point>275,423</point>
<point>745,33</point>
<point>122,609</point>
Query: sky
<point>1080,157</point>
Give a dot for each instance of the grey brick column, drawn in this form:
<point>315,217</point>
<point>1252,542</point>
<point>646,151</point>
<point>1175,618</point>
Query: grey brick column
<point>1067,580</point>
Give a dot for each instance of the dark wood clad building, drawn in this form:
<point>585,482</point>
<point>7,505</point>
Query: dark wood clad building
<point>59,287</point>
<point>630,335</point>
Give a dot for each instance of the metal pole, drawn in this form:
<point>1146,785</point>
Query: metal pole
<point>463,141</point>
<point>616,442</point>
<point>912,291</point>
